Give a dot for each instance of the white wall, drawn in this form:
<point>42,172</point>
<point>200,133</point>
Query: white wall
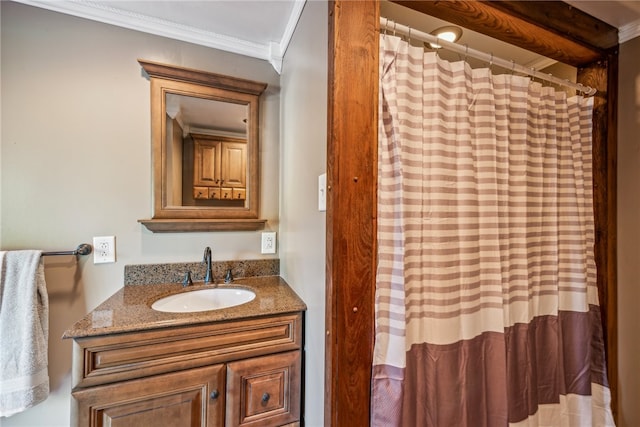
<point>76,163</point>
<point>629,233</point>
<point>303,158</point>
<point>0,135</point>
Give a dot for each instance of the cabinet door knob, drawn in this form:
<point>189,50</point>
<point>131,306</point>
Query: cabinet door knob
<point>265,397</point>
<point>214,394</point>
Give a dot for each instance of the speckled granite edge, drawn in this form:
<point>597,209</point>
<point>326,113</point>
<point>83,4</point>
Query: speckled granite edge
<point>149,274</point>
<point>129,308</point>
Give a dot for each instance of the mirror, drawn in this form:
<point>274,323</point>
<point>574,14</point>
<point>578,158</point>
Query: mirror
<point>205,151</point>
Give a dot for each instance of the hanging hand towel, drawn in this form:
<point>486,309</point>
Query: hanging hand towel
<point>24,331</point>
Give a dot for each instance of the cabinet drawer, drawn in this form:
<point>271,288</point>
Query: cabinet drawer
<point>200,192</point>
<point>264,391</point>
<point>239,193</point>
<point>111,358</point>
<point>214,193</point>
<point>226,193</point>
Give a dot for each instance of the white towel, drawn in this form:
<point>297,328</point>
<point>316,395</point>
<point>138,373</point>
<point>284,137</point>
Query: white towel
<point>24,331</point>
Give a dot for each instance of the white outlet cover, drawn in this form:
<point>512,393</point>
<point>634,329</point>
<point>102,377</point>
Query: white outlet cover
<point>104,249</point>
<point>268,242</point>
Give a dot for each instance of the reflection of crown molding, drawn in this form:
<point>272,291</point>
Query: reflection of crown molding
<point>178,120</point>
<point>215,132</point>
<point>270,51</point>
<point>172,109</point>
<point>629,31</point>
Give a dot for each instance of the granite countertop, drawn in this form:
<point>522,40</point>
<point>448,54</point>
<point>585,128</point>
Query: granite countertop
<point>129,309</point>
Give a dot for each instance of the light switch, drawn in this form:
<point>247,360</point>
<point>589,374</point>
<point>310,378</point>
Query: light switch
<point>322,192</point>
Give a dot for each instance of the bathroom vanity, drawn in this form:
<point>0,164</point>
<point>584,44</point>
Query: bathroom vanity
<point>237,366</point>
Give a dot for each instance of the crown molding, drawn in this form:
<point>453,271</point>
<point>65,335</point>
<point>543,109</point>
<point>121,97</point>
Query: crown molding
<point>629,31</point>
<point>277,50</point>
<point>95,11</point>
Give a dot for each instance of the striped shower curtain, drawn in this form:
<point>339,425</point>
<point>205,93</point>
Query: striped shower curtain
<point>486,301</point>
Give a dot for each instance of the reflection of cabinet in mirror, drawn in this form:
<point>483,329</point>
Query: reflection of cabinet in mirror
<point>204,132</point>
<point>214,170</point>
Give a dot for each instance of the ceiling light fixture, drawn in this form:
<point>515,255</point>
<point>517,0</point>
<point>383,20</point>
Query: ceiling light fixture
<point>449,33</point>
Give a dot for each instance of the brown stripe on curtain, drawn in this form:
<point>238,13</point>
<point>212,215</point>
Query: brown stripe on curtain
<point>469,385</point>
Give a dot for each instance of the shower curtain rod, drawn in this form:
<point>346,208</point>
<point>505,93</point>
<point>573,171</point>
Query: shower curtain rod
<point>389,25</point>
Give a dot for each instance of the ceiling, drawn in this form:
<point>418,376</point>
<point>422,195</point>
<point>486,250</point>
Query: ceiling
<point>263,28</point>
<point>622,14</point>
<point>257,28</point>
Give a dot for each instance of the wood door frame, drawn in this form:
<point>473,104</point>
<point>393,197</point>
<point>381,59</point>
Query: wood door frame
<point>556,30</point>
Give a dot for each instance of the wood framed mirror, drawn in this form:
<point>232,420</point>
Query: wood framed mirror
<point>205,150</point>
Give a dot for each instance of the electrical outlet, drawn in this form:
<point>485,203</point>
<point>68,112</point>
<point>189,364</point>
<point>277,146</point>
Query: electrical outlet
<point>269,242</point>
<point>104,249</point>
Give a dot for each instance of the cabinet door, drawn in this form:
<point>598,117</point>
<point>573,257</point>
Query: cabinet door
<point>206,165</point>
<point>234,164</point>
<point>264,391</point>
<point>190,398</point>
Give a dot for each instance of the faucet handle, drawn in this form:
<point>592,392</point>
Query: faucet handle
<point>207,254</point>
<point>187,279</point>
<point>208,278</point>
<point>228,278</point>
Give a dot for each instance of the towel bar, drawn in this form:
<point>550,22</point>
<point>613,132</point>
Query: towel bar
<point>82,249</point>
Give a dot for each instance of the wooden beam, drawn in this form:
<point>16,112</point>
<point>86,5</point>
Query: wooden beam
<point>524,25</point>
<point>602,75</point>
<point>563,20</point>
<point>351,210</point>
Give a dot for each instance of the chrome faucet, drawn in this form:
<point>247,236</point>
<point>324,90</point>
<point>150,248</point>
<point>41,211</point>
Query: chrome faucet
<point>207,260</point>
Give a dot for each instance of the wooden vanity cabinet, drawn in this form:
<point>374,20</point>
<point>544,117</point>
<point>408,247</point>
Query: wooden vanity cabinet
<point>237,373</point>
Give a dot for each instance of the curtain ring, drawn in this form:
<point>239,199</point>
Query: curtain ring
<point>579,90</point>
<point>513,66</point>
<point>491,62</point>
<point>466,52</point>
<point>394,28</point>
<point>409,36</point>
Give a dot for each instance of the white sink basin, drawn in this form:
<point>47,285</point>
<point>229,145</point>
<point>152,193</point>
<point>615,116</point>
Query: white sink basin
<point>203,300</point>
